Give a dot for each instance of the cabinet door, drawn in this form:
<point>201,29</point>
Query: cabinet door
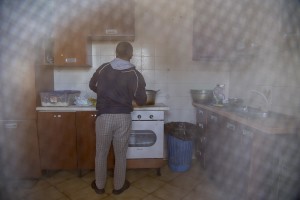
<point>201,138</point>
<point>71,46</point>
<point>112,18</point>
<point>289,174</point>
<point>19,149</point>
<point>71,49</point>
<point>57,140</point>
<point>236,151</point>
<point>86,141</point>
<point>264,167</point>
<point>17,95</point>
<point>214,142</point>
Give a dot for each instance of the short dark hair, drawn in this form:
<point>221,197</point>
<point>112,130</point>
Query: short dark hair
<point>124,49</point>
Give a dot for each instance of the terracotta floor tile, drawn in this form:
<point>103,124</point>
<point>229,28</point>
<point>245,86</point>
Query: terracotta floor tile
<point>50,193</point>
<point>56,177</point>
<point>166,174</point>
<point>70,186</point>
<point>151,197</point>
<point>132,193</point>
<point>135,174</point>
<point>86,194</point>
<point>148,184</point>
<point>183,181</point>
<point>145,185</point>
<point>169,192</point>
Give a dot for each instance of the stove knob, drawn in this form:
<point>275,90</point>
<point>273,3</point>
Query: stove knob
<point>139,116</point>
<point>151,116</point>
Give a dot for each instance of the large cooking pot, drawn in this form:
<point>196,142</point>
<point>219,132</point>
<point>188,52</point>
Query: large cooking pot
<point>151,95</point>
<point>202,96</point>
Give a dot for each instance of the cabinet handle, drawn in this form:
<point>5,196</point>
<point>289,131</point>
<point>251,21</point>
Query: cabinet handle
<point>201,125</point>
<point>247,132</point>
<point>11,125</point>
<point>70,60</point>
<point>214,118</point>
<point>200,112</point>
<point>230,126</point>
<point>59,116</point>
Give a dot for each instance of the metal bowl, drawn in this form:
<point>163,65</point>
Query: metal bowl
<point>202,96</point>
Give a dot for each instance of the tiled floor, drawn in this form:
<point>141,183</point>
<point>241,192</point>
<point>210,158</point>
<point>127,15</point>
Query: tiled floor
<point>145,184</point>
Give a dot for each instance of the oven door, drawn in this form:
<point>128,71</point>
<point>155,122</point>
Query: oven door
<point>146,140</point>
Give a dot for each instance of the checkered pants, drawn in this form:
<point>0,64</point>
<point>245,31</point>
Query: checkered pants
<point>114,128</point>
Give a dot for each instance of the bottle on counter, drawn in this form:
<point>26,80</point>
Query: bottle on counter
<point>219,94</point>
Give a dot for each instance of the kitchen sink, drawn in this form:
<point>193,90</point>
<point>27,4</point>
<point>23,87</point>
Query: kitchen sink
<point>249,112</point>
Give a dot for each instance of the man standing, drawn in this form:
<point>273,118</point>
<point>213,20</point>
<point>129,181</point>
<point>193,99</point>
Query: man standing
<point>117,85</point>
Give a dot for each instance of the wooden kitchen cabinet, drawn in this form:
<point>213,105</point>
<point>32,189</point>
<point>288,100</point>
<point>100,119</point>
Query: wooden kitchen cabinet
<point>57,140</point>
<point>71,46</point>
<point>235,146</point>
<point>201,138</point>
<point>18,95</point>
<point>19,149</point>
<point>213,151</point>
<point>250,163</point>
<point>289,178</point>
<point>86,141</point>
<point>112,20</point>
<point>72,49</point>
<point>264,167</point>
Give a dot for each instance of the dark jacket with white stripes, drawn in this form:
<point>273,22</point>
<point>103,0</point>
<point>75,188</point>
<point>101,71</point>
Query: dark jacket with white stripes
<point>117,85</point>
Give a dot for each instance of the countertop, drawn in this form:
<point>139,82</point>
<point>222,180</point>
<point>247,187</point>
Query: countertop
<point>74,108</point>
<point>277,124</point>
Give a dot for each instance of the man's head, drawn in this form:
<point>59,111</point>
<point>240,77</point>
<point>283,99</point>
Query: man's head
<point>124,51</point>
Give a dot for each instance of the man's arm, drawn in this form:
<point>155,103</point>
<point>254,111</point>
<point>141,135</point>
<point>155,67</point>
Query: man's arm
<point>140,96</point>
<point>94,81</point>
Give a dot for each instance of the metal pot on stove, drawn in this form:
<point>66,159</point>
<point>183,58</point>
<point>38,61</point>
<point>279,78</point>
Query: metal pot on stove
<point>151,96</point>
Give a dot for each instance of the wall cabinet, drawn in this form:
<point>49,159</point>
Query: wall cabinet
<point>57,140</point>
<point>19,149</point>
<point>73,34</point>
<point>86,141</point>
<point>71,46</point>
<point>72,49</point>
<point>112,20</point>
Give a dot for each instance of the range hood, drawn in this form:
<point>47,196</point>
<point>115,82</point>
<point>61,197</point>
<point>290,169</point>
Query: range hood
<point>111,38</point>
<point>112,35</point>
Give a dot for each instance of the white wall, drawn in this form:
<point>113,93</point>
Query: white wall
<point>163,54</point>
<point>275,70</point>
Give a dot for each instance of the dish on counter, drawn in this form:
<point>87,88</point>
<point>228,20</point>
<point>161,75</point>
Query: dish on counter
<point>218,105</point>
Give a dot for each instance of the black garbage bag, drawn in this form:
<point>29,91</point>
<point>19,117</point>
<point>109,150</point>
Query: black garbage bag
<point>182,130</point>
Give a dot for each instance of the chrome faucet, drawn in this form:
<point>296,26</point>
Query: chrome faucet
<point>267,101</point>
